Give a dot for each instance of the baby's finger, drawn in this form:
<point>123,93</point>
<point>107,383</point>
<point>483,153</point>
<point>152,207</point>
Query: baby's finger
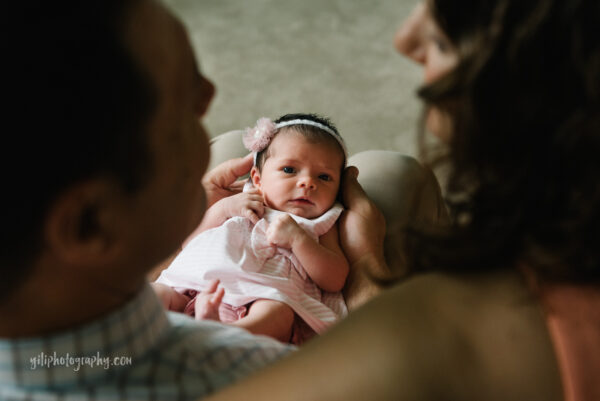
<point>284,220</point>
<point>251,215</point>
<point>258,207</point>
<point>212,287</point>
<point>218,297</point>
<point>252,191</point>
<point>255,198</point>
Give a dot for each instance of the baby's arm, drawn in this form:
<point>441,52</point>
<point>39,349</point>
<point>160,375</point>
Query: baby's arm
<point>245,204</point>
<point>323,260</point>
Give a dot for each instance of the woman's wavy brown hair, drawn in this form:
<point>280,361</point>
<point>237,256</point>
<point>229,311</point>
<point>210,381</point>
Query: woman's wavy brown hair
<point>524,100</point>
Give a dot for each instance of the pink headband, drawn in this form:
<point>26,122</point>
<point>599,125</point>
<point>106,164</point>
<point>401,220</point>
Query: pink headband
<point>258,138</point>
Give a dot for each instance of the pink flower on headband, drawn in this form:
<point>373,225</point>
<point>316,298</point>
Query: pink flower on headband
<point>258,138</point>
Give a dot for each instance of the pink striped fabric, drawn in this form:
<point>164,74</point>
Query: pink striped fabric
<point>249,268</point>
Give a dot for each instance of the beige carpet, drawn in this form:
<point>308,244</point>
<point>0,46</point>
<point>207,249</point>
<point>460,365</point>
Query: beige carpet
<point>331,57</point>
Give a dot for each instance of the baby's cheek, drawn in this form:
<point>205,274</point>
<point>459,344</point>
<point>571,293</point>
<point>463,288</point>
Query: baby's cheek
<point>332,196</point>
<point>267,201</point>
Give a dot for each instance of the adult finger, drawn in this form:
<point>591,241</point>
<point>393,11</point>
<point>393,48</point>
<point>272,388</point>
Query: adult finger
<point>352,192</point>
<point>237,186</point>
<point>227,173</point>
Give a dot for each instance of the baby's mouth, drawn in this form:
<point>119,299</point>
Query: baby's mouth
<point>302,201</point>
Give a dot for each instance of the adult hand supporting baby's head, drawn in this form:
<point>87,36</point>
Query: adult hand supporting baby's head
<point>362,225</point>
<point>362,232</point>
<point>222,181</point>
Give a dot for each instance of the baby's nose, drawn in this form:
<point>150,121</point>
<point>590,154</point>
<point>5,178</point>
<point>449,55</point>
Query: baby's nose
<point>307,182</point>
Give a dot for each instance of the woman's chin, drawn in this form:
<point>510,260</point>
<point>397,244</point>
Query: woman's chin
<point>438,124</point>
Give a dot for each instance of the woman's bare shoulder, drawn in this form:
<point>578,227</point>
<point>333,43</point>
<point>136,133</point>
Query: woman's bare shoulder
<point>481,336</point>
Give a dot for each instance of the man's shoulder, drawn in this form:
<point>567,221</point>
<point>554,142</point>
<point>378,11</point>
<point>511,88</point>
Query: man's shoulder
<point>206,355</point>
<point>205,337</point>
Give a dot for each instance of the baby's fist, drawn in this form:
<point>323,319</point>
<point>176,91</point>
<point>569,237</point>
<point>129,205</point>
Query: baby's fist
<point>283,231</point>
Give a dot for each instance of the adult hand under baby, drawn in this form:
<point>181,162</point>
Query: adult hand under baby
<point>362,232</point>
<point>362,225</point>
<point>222,181</point>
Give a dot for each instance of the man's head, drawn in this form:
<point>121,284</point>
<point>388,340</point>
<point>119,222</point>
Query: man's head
<point>104,99</point>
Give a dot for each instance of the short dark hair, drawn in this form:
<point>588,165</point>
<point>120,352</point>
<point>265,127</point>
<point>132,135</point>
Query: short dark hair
<point>76,107</point>
<point>524,101</point>
<point>310,132</point>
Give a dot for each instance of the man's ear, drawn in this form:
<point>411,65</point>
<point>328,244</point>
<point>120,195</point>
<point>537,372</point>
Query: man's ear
<point>78,227</point>
<point>255,176</point>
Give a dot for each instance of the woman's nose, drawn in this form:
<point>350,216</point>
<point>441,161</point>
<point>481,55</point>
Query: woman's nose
<point>409,39</point>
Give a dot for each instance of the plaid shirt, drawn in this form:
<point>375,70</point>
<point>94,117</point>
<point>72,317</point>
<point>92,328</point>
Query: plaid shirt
<point>138,352</point>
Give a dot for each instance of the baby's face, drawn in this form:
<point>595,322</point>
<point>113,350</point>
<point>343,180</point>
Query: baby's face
<point>300,177</point>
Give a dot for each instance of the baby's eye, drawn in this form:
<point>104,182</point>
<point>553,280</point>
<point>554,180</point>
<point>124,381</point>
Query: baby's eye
<point>288,170</point>
<point>325,177</point>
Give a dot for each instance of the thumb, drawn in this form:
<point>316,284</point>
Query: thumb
<point>352,191</point>
<point>229,171</point>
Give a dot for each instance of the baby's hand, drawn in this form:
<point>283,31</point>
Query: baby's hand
<point>284,231</point>
<point>246,204</point>
<point>208,302</point>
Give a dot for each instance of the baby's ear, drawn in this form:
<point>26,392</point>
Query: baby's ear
<point>255,176</point>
